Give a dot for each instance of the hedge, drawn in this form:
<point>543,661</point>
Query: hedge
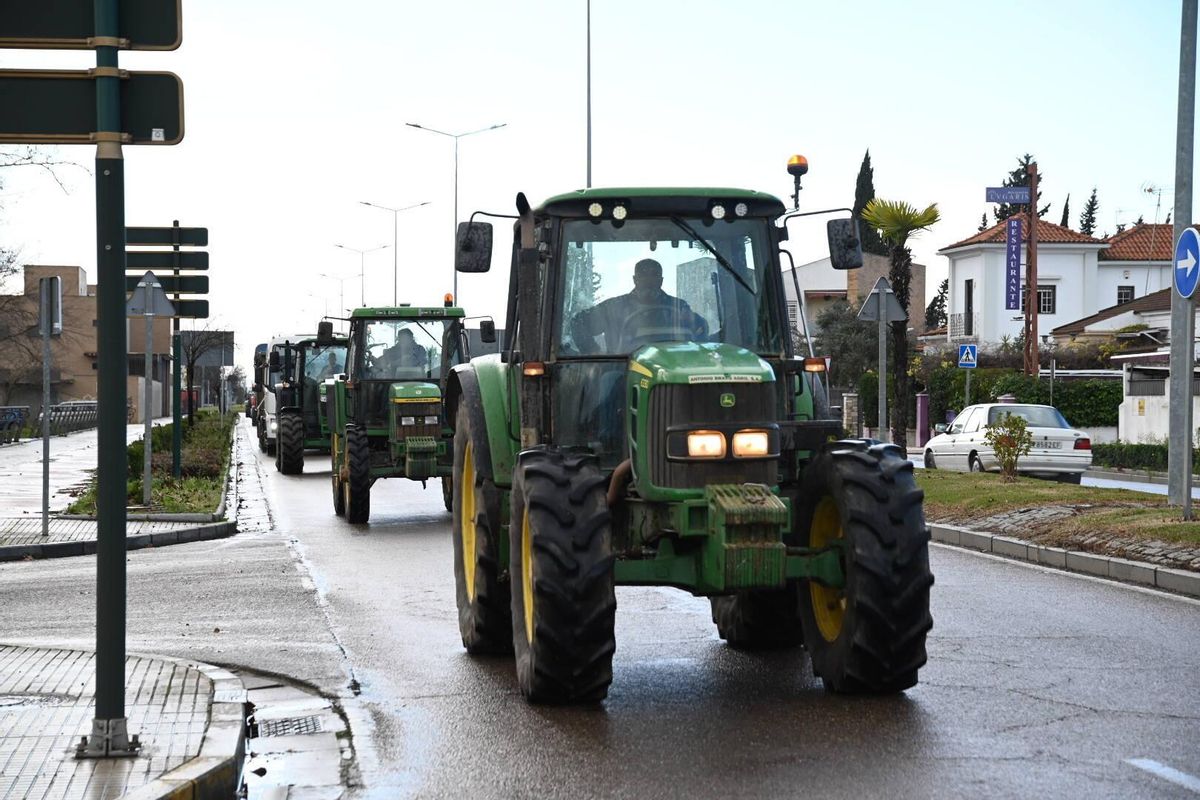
<point>1149,457</point>
<point>1085,403</point>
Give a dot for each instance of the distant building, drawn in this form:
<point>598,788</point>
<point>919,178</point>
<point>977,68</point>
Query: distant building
<point>73,354</point>
<point>1078,276</point>
<point>821,285</point>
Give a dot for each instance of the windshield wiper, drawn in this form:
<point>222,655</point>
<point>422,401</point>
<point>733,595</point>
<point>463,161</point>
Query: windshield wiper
<point>708,246</point>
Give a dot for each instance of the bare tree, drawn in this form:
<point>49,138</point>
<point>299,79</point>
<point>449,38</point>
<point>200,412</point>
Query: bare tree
<point>194,345</point>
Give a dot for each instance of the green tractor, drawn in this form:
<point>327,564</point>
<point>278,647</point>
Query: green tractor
<point>308,367</point>
<point>660,431</point>
<point>385,412</point>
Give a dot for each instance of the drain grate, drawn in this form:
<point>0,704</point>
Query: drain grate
<point>289,726</point>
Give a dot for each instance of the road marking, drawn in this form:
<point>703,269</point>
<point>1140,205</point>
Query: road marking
<point>1189,782</point>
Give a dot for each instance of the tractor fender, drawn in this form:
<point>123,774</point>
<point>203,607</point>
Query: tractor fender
<point>481,385</point>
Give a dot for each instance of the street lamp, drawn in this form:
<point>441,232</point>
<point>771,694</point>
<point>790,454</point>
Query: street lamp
<point>341,289</point>
<point>456,137</point>
<point>362,254</point>
<point>395,246</point>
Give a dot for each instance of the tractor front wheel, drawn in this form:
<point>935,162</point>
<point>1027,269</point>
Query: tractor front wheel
<point>867,636</point>
<point>261,429</point>
<point>760,619</point>
<point>481,588</point>
<point>560,556</point>
<point>291,444</point>
<point>448,493</point>
<point>356,489</point>
<point>339,498</point>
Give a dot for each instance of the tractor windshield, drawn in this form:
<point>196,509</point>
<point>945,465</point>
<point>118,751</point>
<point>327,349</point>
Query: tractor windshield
<point>406,349</point>
<point>673,279</point>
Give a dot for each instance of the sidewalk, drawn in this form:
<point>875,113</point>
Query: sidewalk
<point>72,460</point>
<point>188,716</point>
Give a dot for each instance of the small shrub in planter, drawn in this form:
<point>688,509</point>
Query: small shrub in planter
<point>1009,439</point>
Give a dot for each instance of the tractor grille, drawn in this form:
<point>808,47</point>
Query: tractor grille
<point>699,405</point>
<point>418,411</point>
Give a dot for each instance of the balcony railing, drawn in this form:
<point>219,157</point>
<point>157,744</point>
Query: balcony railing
<point>964,326</point>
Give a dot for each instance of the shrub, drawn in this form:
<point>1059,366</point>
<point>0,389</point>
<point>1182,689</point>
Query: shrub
<point>1009,439</point>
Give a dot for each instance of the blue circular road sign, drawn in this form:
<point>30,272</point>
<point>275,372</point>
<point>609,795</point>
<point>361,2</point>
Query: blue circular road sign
<point>1187,262</point>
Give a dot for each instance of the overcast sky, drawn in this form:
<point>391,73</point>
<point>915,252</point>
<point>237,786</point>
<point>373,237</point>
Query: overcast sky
<point>295,112</point>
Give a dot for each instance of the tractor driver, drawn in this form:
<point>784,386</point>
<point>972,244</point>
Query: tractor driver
<point>331,367</point>
<point>645,314</point>
<point>404,353</point>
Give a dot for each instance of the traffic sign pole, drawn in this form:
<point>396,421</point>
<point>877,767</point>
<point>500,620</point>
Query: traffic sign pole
<point>176,363</point>
<point>879,309</point>
<point>110,735</point>
<point>1183,314</point>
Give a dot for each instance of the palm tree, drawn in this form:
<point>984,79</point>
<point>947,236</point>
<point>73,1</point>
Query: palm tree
<point>896,221</point>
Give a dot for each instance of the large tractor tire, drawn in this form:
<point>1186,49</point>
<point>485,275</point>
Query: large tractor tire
<point>481,584</point>
<point>339,497</point>
<point>760,619</point>
<point>868,636</point>
<point>291,444</point>
<point>261,430</point>
<point>356,489</point>
<point>563,601</point>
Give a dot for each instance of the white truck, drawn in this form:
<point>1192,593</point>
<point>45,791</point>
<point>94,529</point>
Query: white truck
<point>276,369</point>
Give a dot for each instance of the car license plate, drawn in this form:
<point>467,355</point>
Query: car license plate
<point>1050,444</point>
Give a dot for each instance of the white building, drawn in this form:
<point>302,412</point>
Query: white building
<point>1078,276</point>
<point>822,285</point>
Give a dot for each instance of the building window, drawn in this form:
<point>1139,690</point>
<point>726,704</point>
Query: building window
<point>1047,299</point>
<point>1124,294</point>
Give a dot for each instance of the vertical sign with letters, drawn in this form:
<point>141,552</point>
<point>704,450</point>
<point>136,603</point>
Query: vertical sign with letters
<point>1012,264</point>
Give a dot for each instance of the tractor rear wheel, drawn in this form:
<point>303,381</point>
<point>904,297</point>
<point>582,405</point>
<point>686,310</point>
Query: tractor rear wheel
<point>563,602</point>
<point>356,489</point>
<point>869,635</point>
<point>291,443</point>
<point>760,618</point>
<point>339,498</point>
<point>481,587</point>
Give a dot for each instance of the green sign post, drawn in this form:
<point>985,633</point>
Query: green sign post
<point>109,108</point>
<point>172,284</point>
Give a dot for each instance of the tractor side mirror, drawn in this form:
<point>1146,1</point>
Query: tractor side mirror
<point>940,428</point>
<point>257,386</point>
<point>324,333</point>
<point>473,247</point>
<point>845,248</point>
<point>273,360</point>
<point>487,331</point>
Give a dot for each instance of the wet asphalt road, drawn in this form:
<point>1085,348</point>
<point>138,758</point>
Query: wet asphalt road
<point>1039,683</point>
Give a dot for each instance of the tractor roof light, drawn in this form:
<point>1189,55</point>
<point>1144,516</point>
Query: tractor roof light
<point>448,300</point>
<point>620,212</point>
<point>595,210</point>
<point>718,211</point>
<point>741,210</point>
<point>797,166</point>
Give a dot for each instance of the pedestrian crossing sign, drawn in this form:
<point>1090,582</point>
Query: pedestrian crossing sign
<point>966,356</point>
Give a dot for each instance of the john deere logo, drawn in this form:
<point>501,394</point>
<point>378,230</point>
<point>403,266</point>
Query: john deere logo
<point>728,400</point>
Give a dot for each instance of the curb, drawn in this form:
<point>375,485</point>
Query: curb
<point>1131,475</point>
<point>217,771</point>
<point>1123,570</point>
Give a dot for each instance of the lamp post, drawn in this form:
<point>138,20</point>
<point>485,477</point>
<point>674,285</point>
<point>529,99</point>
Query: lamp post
<point>395,245</point>
<point>456,137</point>
<point>341,289</point>
<point>362,273</point>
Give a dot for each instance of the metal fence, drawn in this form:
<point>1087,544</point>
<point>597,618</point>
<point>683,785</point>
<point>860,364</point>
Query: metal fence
<point>74,415</point>
<point>12,422</point>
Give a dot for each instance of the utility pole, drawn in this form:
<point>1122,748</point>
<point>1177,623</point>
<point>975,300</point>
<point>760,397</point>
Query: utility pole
<point>589,94</point>
<point>1032,361</point>
<point>1183,314</point>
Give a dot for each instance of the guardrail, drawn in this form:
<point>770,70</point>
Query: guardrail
<point>73,415</point>
<point>12,422</point>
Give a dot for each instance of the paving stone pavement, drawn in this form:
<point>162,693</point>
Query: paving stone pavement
<point>47,705</point>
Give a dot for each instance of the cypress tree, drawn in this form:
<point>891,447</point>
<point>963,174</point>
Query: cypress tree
<point>983,223</point>
<point>1087,219</point>
<point>864,192</point>
<point>1066,217</point>
<point>1020,177</point>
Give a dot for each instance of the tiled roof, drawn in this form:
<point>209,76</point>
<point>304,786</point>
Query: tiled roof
<point>1048,233</point>
<point>1155,301</point>
<point>1145,242</point>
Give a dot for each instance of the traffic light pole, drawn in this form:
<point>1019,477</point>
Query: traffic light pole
<point>110,736</point>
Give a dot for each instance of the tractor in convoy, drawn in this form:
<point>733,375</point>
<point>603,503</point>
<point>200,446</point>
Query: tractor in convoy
<point>272,374</point>
<point>647,422</point>
<point>306,368</point>
<point>385,410</point>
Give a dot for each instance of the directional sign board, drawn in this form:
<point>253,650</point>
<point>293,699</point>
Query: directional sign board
<point>173,284</point>
<point>1008,194</point>
<point>191,309</point>
<point>968,356</point>
<point>149,298</point>
<point>893,311</point>
<point>142,260</point>
<point>59,106</point>
<point>188,237</point>
<point>71,24</point>
<point>1187,256</point>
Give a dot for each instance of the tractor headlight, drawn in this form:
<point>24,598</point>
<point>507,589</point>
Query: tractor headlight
<point>431,419</point>
<point>751,444</point>
<point>706,444</point>
<point>408,421</point>
<point>274,425</point>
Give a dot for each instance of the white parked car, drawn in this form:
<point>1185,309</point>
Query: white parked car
<point>1059,452</point>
